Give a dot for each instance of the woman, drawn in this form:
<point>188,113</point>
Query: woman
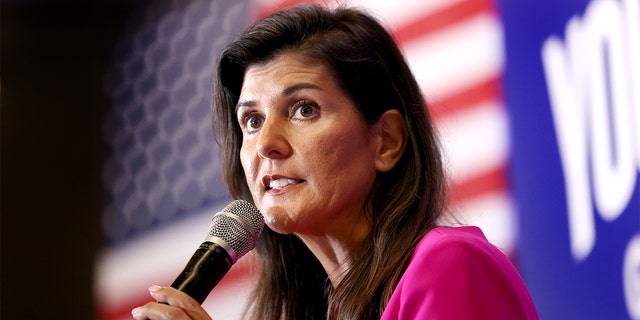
<point>323,126</point>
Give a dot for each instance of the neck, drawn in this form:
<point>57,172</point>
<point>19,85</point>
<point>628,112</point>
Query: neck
<point>334,250</point>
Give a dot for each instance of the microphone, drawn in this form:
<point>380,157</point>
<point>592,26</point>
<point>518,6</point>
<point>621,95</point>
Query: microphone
<point>233,232</point>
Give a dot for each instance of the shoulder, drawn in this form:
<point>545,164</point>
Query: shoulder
<point>459,252</point>
<point>455,273</point>
<point>449,244</point>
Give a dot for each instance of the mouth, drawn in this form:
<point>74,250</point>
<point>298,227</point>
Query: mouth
<point>279,183</point>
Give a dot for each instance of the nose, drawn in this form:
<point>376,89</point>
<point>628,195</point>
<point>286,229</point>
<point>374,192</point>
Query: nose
<point>273,142</point>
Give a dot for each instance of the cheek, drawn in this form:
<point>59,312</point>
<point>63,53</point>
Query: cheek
<point>324,154</point>
<point>244,159</point>
<point>248,164</point>
<point>341,155</point>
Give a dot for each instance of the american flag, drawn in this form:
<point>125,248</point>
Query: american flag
<point>455,49</point>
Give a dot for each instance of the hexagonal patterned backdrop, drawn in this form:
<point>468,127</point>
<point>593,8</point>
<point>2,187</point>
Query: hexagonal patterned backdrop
<point>162,159</point>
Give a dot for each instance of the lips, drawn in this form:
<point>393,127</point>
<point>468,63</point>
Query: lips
<point>274,182</point>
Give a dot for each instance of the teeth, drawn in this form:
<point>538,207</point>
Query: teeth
<point>280,183</point>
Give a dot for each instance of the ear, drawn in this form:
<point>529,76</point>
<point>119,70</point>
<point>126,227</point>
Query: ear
<point>391,132</point>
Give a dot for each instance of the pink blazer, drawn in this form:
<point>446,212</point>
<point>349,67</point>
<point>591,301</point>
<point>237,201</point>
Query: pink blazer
<point>455,273</point>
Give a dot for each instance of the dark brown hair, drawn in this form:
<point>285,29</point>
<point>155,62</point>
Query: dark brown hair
<point>404,203</point>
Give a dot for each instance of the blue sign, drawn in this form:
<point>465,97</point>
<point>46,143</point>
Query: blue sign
<point>572,85</point>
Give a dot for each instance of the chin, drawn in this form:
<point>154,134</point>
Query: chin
<point>279,220</point>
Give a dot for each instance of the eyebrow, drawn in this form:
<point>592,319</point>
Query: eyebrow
<point>286,92</point>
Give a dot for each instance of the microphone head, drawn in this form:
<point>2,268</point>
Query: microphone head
<point>239,226</point>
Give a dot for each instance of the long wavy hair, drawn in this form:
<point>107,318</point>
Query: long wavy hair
<point>404,203</point>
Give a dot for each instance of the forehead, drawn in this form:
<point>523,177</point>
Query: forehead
<point>285,69</point>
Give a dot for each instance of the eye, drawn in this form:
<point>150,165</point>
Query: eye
<point>254,122</point>
<point>304,109</point>
<point>251,122</point>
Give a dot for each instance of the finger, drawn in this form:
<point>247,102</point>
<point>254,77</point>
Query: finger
<point>158,311</point>
<point>173,297</point>
<point>177,298</point>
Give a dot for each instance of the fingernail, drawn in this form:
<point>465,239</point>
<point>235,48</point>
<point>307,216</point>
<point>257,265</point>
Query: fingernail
<point>135,311</point>
<point>155,288</point>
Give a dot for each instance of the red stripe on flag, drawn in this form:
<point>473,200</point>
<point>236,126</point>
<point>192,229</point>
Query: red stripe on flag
<point>487,182</point>
<point>239,272</point>
<point>459,101</point>
<point>443,18</point>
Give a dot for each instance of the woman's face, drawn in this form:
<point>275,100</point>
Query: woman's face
<point>307,154</point>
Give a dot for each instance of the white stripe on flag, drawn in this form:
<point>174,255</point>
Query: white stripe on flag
<point>474,141</point>
<point>457,57</point>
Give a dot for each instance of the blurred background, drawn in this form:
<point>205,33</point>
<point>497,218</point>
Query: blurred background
<point>110,173</point>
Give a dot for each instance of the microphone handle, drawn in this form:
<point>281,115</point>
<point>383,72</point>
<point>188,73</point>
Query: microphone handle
<point>208,265</point>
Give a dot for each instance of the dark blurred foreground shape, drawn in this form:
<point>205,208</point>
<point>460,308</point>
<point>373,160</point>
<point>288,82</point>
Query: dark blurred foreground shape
<point>53,58</point>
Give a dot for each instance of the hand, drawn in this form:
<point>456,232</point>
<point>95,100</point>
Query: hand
<point>172,304</point>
